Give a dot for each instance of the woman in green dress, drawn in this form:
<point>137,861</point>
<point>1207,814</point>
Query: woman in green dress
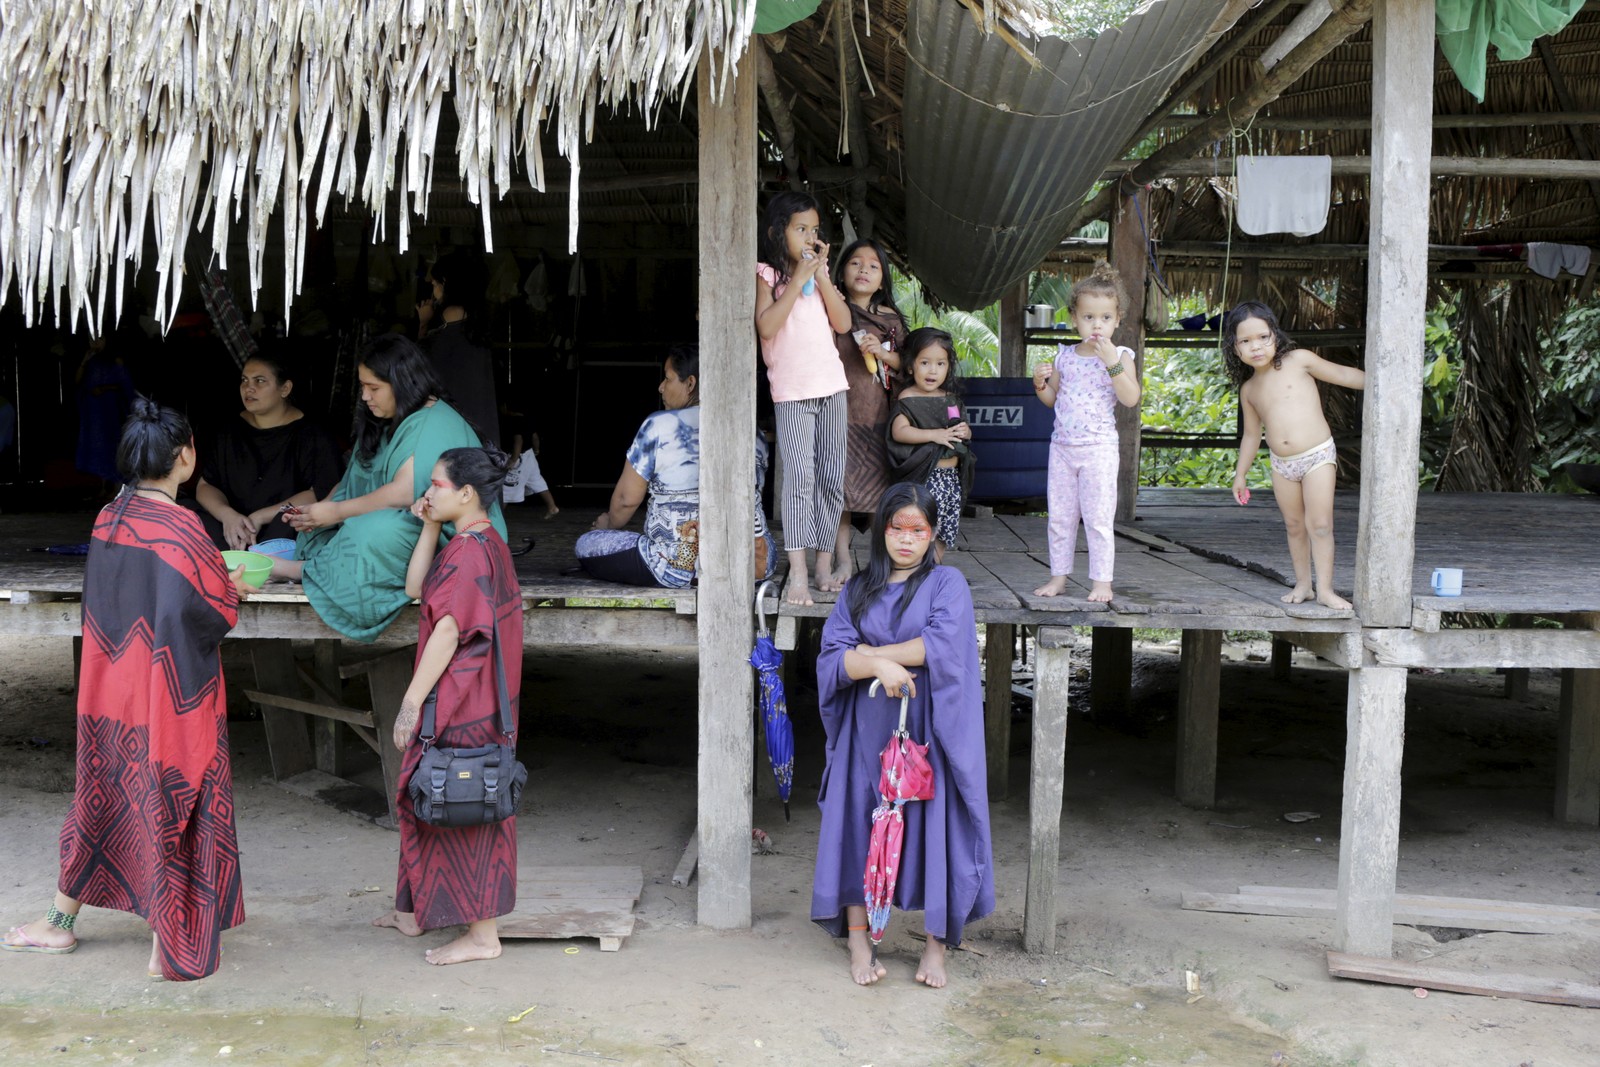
<point>353,546</point>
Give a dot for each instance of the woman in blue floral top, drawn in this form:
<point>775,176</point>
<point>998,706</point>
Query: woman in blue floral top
<point>664,466</point>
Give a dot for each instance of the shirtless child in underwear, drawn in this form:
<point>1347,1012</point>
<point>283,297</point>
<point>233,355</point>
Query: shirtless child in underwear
<point>1278,388</point>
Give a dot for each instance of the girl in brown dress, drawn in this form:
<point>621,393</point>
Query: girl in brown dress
<point>871,357</point>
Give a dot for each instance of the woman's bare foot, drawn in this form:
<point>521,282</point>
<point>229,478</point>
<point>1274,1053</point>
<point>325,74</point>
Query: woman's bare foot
<point>1329,599</point>
<point>1100,593</point>
<point>1054,587</point>
<point>477,943</point>
<point>864,966</point>
<point>153,968</point>
<point>1298,595</point>
<point>930,971</point>
<point>404,921</point>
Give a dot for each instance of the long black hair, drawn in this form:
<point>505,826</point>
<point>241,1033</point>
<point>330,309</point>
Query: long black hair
<point>485,469</point>
<point>152,437</point>
<point>771,248</point>
<point>867,586</point>
<point>408,371</point>
<point>884,297</point>
<point>1238,373</point>
<point>684,358</point>
<point>916,341</point>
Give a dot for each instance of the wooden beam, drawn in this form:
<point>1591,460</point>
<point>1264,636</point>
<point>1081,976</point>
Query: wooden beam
<point>999,645</point>
<point>1047,778</point>
<point>1397,286</point>
<point>288,742</point>
<point>1347,18</point>
<point>1282,659</point>
<point>1311,124</point>
<point>1111,669</point>
<point>1130,256</point>
<point>1578,748</point>
<point>778,109</point>
<point>1504,986</point>
<point>1369,839</point>
<point>1356,166</point>
<point>1410,909</point>
<point>1483,648</point>
<point>727,238</point>
<point>1340,649</point>
<point>1199,686</point>
<point>1013,344</point>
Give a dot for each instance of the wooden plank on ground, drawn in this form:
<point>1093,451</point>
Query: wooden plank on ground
<point>988,592</point>
<point>1410,909</point>
<point>1149,540</point>
<point>1479,983</point>
<point>1031,530</point>
<point>988,535</point>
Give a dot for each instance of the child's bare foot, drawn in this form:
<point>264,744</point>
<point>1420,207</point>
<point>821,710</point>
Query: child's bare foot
<point>1329,599</point>
<point>798,592</point>
<point>469,946</point>
<point>846,569</point>
<point>1100,593</point>
<point>827,582</point>
<point>403,921</point>
<point>1298,595</point>
<point>864,966</point>
<point>1054,587</point>
<point>930,971</point>
<point>551,512</point>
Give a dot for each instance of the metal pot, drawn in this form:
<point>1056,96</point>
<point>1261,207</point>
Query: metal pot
<point>1038,317</point>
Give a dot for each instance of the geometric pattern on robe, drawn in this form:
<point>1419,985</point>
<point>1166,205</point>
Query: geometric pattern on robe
<point>355,571</point>
<point>151,828</point>
<point>454,875</point>
<point>946,864</point>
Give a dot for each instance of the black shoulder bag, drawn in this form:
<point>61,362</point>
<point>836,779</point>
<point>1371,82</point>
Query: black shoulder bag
<point>468,786</point>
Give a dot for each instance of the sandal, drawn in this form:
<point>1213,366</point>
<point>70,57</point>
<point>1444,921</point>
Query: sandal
<point>30,945</point>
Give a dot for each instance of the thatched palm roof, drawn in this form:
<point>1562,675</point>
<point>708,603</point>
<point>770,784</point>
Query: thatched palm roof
<point>178,115</point>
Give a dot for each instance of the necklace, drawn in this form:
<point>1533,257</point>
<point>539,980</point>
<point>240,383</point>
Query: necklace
<point>155,489</point>
<point>475,522</point>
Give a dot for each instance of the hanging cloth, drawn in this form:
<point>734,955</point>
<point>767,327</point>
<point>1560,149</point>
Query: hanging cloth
<point>1466,29</point>
<point>1548,260</point>
<point>1284,194</point>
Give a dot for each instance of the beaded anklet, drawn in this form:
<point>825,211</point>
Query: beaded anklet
<point>60,919</point>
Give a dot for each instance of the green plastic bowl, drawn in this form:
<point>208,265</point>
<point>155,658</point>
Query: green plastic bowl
<point>256,566</point>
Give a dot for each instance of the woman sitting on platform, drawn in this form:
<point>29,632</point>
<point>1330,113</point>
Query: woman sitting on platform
<point>664,465</point>
<point>272,456</point>
<point>354,545</point>
<point>151,830</point>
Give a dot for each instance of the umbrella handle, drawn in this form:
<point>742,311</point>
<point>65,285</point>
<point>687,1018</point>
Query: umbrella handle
<point>761,619</point>
<point>905,700</point>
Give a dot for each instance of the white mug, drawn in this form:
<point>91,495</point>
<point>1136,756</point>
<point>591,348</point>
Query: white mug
<point>1447,581</point>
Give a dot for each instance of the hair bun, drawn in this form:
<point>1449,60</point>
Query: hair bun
<point>144,409</point>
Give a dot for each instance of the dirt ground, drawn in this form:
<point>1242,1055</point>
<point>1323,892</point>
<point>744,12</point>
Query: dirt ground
<point>611,743</point>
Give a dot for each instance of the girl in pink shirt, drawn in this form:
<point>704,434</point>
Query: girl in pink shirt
<point>798,311</point>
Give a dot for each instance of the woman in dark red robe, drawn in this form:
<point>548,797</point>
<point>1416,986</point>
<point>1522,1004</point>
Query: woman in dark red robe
<point>151,827</point>
<point>455,875</point>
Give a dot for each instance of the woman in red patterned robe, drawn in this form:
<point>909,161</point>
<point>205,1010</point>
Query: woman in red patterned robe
<point>151,826</point>
<point>455,875</point>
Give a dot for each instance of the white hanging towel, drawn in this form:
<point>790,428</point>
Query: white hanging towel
<point>1284,194</point>
<point>1548,259</point>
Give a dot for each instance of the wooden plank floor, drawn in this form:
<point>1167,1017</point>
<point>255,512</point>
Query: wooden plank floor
<point>1192,559</point>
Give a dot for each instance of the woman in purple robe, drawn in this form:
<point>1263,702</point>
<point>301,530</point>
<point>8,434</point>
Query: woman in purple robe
<point>907,622</point>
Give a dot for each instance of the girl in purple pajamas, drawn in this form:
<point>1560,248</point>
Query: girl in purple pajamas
<point>1083,385</point>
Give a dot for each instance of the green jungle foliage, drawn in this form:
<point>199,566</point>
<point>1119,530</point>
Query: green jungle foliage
<point>1569,407</point>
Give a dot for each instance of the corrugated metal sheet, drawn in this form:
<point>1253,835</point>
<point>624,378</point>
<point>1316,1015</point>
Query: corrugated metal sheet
<point>999,154</point>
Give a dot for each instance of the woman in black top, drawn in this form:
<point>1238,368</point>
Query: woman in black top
<point>272,456</point>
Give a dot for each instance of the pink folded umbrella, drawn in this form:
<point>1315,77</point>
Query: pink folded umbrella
<point>906,775</point>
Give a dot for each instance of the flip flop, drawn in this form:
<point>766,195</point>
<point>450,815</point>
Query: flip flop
<point>30,945</point>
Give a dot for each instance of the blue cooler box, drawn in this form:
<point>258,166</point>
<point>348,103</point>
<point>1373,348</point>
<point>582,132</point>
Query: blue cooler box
<point>1010,436</point>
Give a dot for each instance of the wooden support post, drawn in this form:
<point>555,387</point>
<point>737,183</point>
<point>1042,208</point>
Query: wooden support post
<point>727,240</point>
<point>1046,781</point>
<point>1516,683</point>
<point>388,679</point>
<point>1578,748</point>
<point>1130,255</point>
<point>288,742</point>
<point>328,735</point>
<point>1199,685</point>
<point>999,643</point>
<point>1110,672</point>
<point>1397,290</point>
<point>1369,829</point>
<point>1013,346</point>
<point>77,660</point>
<point>1282,659</point>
